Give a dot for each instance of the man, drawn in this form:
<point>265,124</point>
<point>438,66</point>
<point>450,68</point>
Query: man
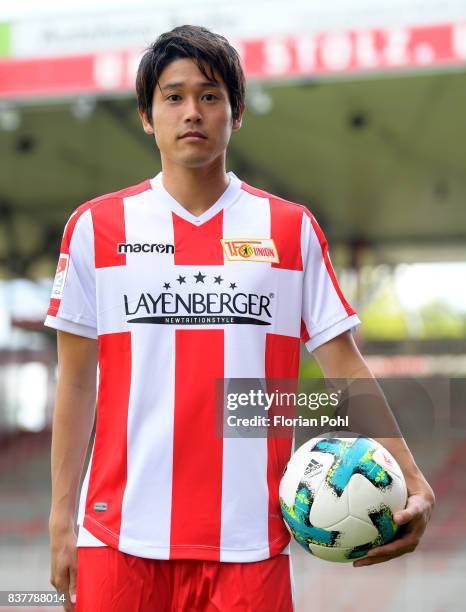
<point>168,286</point>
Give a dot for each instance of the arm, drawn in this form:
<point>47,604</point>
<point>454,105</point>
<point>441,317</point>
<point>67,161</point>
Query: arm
<point>340,358</point>
<point>72,426</point>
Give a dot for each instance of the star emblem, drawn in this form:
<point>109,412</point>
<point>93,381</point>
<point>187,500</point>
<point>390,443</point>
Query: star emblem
<point>199,277</point>
<point>181,279</point>
<point>218,279</point>
<point>232,285</point>
<point>166,285</point>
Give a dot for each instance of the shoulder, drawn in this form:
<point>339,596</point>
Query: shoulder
<point>108,199</point>
<point>279,204</point>
<point>105,204</point>
<point>291,218</point>
<point>290,224</point>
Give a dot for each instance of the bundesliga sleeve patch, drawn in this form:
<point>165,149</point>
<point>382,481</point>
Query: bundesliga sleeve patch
<point>250,249</point>
<point>60,276</point>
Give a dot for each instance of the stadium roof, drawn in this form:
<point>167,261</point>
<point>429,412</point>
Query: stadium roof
<point>380,162</point>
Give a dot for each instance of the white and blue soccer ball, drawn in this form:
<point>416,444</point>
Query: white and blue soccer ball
<point>338,496</point>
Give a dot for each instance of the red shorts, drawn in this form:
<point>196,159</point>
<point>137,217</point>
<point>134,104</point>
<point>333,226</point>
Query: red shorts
<point>113,581</point>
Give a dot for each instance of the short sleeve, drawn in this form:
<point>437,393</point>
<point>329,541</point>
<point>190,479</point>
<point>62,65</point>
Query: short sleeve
<point>325,311</point>
<point>73,301</point>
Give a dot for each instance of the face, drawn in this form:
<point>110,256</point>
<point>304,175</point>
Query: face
<point>191,116</point>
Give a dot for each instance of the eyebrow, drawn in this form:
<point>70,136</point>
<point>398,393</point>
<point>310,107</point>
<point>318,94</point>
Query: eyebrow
<point>180,85</point>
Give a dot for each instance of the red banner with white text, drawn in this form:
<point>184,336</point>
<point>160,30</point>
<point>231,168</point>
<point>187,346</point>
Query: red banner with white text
<point>304,56</point>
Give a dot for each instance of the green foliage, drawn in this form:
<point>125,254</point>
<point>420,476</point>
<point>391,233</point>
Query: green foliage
<point>309,368</point>
<point>439,320</point>
<point>384,318</point>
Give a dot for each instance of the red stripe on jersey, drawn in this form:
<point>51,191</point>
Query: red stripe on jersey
<point>69,228</point>
<point>260,193</point>
<point>281,361</point>
<point>328,264</point>
<point>108,219</point>
<point>305,337</point>
<point>54,305</point>
<point>285,228</point>
<point>107,480</point>
<point>198,244</point>
<point>197,452</point>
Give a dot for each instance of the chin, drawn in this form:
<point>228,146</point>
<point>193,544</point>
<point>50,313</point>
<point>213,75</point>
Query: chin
<point>196,162</point>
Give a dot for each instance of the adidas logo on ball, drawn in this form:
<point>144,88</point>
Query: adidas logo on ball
<point>313,468</point>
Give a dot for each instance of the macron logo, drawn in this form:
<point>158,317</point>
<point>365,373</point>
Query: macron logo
<point>145,247</point>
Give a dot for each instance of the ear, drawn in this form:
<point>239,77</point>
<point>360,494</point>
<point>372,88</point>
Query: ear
<point>146,124</point>
<point>239,120</point>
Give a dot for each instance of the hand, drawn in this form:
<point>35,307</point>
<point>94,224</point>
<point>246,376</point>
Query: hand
<point>64,565</point>
<point>414,519</point>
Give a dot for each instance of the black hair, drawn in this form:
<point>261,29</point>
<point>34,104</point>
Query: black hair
<point>211,52</point>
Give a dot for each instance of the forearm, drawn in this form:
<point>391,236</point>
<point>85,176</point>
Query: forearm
<point>72,427</point>
<point>379,418</point>
<point>386,427</point>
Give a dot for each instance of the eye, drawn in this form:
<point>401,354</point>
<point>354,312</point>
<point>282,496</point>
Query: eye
<point>210,97</point>
<point>173,98</point>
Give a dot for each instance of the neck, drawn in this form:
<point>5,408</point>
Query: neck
<point>196,189</point>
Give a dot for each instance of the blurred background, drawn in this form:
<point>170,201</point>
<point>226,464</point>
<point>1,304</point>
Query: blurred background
<point>355,109</point>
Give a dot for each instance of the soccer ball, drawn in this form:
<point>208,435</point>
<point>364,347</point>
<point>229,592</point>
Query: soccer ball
<point>338,496</point>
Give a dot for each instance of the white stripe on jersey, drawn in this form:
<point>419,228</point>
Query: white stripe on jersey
<point>147,497</point>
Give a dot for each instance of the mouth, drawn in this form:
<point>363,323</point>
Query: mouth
<point>192,135</point>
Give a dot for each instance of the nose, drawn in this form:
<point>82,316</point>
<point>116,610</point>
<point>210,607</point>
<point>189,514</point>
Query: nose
<point>192,111</point>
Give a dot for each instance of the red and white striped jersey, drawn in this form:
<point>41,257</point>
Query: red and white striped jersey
<point>177,301</point>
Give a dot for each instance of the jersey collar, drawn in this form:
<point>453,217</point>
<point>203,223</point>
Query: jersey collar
<point>228,197</point>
